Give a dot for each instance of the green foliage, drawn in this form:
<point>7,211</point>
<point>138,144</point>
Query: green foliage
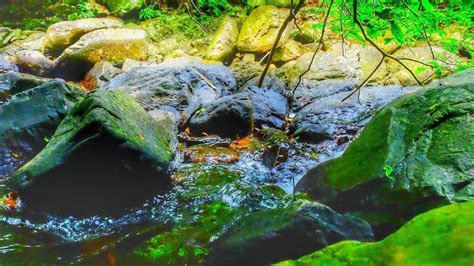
<point>215,7</point>
<point>149,13</point>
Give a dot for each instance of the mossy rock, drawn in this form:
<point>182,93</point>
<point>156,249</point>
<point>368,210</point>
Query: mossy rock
<point>260,30</point>
<point>107,154</point>
<point>416,153</point>
<point>439,237</point>
<point>224,42</point>
<point>32,112</point>
<point>267,236</point>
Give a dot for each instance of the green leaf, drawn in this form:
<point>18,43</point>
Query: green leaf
<point>427,5</point>
<point>397,33</point>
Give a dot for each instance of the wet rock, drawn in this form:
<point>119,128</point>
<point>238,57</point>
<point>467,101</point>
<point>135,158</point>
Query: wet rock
<point>276,146</point>
<point>176,82</point>
<point>33,62</point>
<point>65,33</point>
<point>422,54</point>
<point>269,107</point>
<point>245,69</point>
<point>309,92</point>
<point>437,228</point>
<point>100,75</point>
<point>229,116</point>
<point>7,66</point>
<point>30,117</point>
<point>290,50</point>
<point>106,155</point>
<point>260,29</point>
<point>416,153</point>
<point>224,42</point>
<point>270,82</point>
<point>329,117</point>
<point>113,45</point>
<point>13,82</point>
<point>268,236</point>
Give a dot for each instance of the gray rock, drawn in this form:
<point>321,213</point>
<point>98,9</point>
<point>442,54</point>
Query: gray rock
<point>329,116</point>
<point>230,116</point>
<point>13,82</point>
<point>100,75</point>
<point>269,107</point>
<point>7,66</point>
<point>30,117</point>
<point>270,82</point>
<point>33,62</point>
<point>176,82</point>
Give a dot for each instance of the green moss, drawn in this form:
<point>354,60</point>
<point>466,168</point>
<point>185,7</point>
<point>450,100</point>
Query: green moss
<point>439,237</point>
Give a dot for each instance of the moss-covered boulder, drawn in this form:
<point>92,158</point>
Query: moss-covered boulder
<point>63,34</point>
<point>260,30</point>
<point>107,154</point>
<point>267,236</point>
<point>114,45</point>
<point>290,50</point>
<point>439,237</point>
<point>416,153</point>
<point>30,116</point>
<point>224,42</point>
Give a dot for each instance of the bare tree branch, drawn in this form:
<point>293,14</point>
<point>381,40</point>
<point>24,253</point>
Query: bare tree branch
<point>320,41</point>
<point>291,16</point>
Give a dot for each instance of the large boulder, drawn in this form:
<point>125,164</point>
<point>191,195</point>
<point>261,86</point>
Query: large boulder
<point>106,155</point>
<point>267,236</point>
<point>224,42</point>
<point>30,117</point>
<point>113,45</point>
<point>176,82</point>
<point>399,75</point>
<point>329,117</point>
<point>260,30</point>
<point>229,116</point>
<point>33,62</point>
<point>416,153</point>
<point>438,237</point>
<point>65,33</point>
<point>355,64</point>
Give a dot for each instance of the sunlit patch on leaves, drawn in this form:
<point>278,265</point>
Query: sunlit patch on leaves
<point>388,172</point>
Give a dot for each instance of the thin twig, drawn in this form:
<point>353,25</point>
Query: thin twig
<point>194,19</point>
<point>365,81</point>
<point>320,41</point>
<point>293,12</point>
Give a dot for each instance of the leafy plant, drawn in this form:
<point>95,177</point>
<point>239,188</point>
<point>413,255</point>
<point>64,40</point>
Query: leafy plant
<point>149,13</point>
<point>215,7</point>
